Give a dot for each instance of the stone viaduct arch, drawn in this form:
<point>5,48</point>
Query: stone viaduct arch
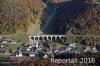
<point>46,37</point>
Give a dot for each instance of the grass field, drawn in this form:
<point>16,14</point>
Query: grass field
<point>4,56</point>
<point>11,46</point>
<point>14,46</point>
<point>58,45</point>
<point>22,37</point>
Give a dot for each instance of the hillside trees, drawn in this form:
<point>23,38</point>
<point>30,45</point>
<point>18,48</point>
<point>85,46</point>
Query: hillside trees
<point>79,20</point>
<point>15,15</point>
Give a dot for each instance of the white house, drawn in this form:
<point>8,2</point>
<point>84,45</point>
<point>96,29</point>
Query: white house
<point>91,49</point>
<point>0,37</point>
<point>68,48</point>
<point>87,49</point>
<point>4,42</point>
<point>73,45</point>
<point>28,49</point>
<point>13,42</point>
<point>94,49</point>
<point>32,55</point>
<point>45,56</point>
<point>1,46</point>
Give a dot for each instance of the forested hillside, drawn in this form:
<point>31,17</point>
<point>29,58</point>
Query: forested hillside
<point>76,17</point>
<point>16,15</point>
